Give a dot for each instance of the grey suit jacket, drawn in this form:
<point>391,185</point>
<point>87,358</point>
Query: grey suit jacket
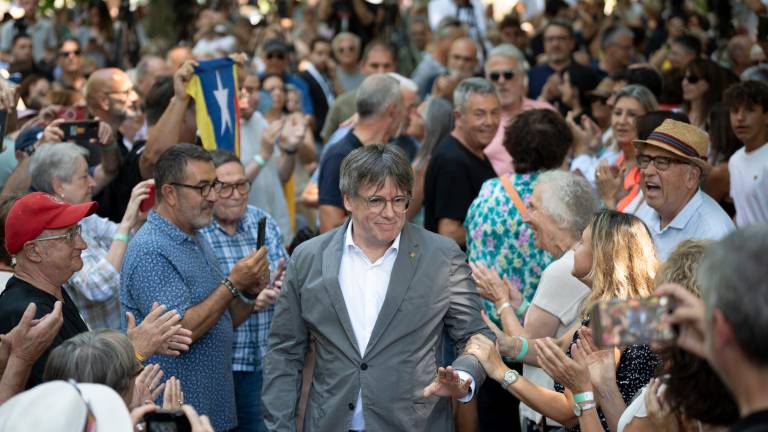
<point>430,290</point>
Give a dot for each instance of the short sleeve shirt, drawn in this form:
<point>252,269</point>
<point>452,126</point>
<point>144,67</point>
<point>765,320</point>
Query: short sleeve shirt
<point>453,180</point>
<point>330,170</point>
<point>165,265</point>
<point>14,300</point>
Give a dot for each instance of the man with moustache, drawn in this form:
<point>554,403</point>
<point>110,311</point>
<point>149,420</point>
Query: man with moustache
<point>169,262</point>
<point>459,167</point>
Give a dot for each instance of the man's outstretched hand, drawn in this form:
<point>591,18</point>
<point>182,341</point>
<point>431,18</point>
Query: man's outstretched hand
<point>448,383</point>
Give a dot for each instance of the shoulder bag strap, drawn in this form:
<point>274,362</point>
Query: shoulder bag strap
<point>512,192</point>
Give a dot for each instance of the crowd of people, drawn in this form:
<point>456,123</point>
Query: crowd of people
<point>429,202</point>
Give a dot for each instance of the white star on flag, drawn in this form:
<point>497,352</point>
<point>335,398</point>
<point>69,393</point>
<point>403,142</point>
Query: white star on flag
<point>221,98</point>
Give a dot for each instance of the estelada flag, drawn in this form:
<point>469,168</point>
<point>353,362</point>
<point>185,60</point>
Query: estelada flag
<point>214,88</point>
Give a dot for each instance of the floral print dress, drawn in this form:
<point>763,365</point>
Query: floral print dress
<point>498,238</point>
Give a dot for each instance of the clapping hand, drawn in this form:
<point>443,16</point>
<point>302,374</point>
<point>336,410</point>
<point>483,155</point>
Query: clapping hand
<point>159,333</point>
<point>572,374</point>
<point>448,383</point>
<point>147,386</point>
<point>31,337</point>
<point>173,397</point>
<point>493,288</point>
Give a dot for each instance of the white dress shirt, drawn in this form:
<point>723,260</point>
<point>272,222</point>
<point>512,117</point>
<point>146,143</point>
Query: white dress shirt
<point>364,287</point>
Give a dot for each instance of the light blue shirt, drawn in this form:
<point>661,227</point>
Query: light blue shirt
<point>701,219</point>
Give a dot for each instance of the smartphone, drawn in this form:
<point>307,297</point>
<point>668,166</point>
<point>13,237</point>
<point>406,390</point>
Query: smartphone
<point>73,113</point>
<point>636,321</point>
<point>80,132</point>
<point>167,421</point>
<point>148,202</point>
<point>3,123</point>
<point>262,230</point>
<point>265,101</point>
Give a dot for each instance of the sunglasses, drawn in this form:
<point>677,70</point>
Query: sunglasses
<point>692,79</point>
<point>275,55</point>
<point>65,54</point>
<point>507,74</point>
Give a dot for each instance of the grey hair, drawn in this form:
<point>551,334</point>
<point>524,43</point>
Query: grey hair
<point>569,199</point>
<point>101,356</point>
<point>372,165</point>
<point>613,33</point>
<point>438,123</point>
<point>471,86</point>
<point>54,161</point>
<point>143,67</point>
<point>641,94</point>
<point>404,82</point>
<point>732,278</point>
<point>510,51</point>
<point>339,37</point>
<point>376,94</point>
<point>756,73</point>
<point>445,27</point>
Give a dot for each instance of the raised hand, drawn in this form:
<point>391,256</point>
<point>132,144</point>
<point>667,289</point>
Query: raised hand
<point>571,374</point>
<point>173,397</point>
<point>448,383</point>
<point>688,316</point>
<point>493,288</point>
<point>30,338</point>
<point>251,274</point>
<point>147,386</point>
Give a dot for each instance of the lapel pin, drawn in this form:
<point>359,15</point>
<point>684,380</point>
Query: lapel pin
<point>413,254</point>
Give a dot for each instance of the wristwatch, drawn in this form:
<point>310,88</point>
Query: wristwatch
<point>510,377</point>
<point>578,410</point>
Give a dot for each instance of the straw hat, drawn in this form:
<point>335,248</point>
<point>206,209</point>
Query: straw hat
<point>684,140</point>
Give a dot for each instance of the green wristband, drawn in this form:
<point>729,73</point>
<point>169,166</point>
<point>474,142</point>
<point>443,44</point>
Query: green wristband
<point>524,350</point>
<point>583,397</point>
<point>522,308</point>
<point>120,237</point>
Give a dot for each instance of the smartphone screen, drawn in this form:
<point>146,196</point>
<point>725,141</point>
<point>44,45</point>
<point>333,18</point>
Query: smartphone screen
<point>167,421</point>
<point>80,132</point>
<point>636,321</point>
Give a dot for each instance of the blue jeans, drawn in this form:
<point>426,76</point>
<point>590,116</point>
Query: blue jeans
<point>248,400</point>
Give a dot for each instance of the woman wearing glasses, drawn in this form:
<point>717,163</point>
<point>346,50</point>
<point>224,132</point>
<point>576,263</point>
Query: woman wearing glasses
<point>61,170</point>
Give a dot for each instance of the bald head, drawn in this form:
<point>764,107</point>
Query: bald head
<point>110,96</point>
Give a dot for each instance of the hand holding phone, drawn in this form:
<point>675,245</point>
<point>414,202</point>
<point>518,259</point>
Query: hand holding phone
<point>261,232</point>
<point>149,202</point>
<point>80,132</point>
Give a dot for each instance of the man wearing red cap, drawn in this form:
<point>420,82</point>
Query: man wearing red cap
<point>43,236</point>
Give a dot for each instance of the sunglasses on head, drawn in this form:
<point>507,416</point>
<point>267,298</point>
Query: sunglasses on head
<point>692,79</point>
<point>276,55</point>
<point>507,74</point>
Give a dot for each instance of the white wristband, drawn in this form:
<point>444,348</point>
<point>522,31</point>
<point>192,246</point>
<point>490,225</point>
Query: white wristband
<point>259,161</point>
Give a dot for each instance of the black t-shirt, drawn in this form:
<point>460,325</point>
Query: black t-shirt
<point>755,422</point>
<point>330,170</point>
<point>453,180</point>
<point>113,199</point>
<point>14,300</point>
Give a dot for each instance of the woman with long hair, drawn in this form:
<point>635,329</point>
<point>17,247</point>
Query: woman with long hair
<point>704,82</point>
<point>616,259</point>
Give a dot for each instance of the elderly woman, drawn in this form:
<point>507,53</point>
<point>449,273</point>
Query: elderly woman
<point>107,357</point>
<point>61,170</point>
<point>616,259</point>
<point>560,208</point>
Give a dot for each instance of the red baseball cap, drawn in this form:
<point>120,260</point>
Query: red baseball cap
<point>39,211</point>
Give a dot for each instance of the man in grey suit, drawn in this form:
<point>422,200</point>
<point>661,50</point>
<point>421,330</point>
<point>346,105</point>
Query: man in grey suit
<point>376,294</point>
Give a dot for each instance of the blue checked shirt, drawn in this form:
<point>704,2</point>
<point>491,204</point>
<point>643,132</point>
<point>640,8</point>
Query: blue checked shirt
<point>250,342</point>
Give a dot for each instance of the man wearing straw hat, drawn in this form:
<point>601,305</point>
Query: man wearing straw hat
<point>673,161</point>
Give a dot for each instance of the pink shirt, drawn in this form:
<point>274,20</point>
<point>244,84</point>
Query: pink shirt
<point>496,153</point>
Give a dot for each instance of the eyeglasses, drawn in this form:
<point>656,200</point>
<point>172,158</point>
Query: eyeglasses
<point>692,79</point>
<point>275,55</point>
<point>70,235</point>
<point>227,189</point>
<point>90,419</point>
<point>65,54</point>
<point>122,92</point>
<point>377,203</point>
<point>204,189</point>
<point>507,74</point>
<point>661,163</point>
